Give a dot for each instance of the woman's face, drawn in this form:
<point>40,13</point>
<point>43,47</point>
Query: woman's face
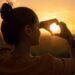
<point>35,34</point>
<point>32,33</point>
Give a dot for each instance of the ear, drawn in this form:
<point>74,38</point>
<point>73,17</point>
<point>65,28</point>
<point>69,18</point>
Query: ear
<point>28,30</point>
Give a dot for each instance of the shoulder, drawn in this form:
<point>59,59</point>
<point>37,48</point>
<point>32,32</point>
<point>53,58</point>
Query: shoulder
<point>52,61</point>
<point>47,57</point>
<point>46,60</point>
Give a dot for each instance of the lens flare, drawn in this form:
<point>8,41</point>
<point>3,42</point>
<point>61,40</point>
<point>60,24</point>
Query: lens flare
<point>54,28</point>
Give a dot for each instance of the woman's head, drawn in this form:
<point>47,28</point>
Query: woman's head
<point>19,23</point>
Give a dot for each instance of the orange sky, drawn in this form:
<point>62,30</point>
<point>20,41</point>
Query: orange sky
<point>64,10</point>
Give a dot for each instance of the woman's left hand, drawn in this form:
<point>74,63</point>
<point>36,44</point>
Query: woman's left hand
<point>65,33</point>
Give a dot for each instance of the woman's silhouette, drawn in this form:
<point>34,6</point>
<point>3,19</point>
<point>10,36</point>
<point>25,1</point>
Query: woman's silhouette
<point>20,28</point>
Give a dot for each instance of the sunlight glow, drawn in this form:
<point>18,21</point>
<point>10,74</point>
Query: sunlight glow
<point>44,32</point>
<point>50,9</point>
<point>55,28</point>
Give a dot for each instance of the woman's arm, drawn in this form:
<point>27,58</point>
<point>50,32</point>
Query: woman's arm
<point>67,65</point>
<point>66,34</point>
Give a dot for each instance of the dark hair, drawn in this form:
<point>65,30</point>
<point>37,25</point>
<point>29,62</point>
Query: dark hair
<point>14,20</point>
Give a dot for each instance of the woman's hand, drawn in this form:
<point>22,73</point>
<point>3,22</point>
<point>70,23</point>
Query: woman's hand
<point>65,33</point>
<point>47,23</point>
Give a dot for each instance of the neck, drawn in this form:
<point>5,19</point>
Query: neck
<point>22,49</point>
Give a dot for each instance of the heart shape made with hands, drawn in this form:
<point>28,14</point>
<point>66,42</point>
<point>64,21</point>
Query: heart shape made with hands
<point>55,28</point>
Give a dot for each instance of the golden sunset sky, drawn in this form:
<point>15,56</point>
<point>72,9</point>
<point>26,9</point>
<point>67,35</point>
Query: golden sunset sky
<point>63,10</point>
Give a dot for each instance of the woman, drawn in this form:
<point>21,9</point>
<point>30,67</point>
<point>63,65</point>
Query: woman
<point>20,27</point>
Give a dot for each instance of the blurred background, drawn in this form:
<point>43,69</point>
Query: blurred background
<point>63,10</point>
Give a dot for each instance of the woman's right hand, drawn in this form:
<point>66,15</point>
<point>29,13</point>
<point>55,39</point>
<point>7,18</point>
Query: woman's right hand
<point>47,23</point>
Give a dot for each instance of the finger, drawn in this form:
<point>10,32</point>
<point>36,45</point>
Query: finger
<point>54,21</point>
<point>44,24</point>
<point>63,25</point>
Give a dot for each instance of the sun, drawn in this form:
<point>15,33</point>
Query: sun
<point>55,29</point>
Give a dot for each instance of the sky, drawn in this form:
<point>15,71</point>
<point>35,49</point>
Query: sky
<point>63,10</point>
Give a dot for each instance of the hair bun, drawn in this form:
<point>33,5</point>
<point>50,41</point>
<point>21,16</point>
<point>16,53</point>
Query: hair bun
<point>6,11</point>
